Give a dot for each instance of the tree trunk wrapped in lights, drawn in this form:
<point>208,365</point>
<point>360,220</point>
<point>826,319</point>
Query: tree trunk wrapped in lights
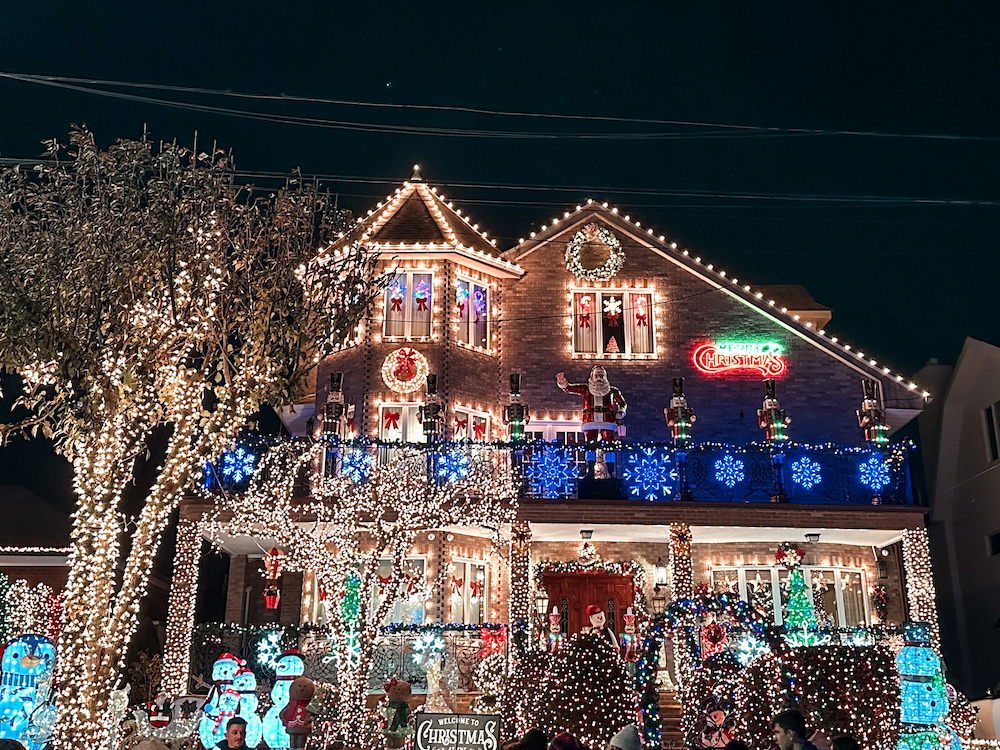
<point>346,528</point>
<point>148,298</point>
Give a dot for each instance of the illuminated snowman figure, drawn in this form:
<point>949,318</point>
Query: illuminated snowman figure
<point>246,684</point>
<point>25,684</point>
<point>223,701</point>
<point>923,695</point>
<point>287,668</point>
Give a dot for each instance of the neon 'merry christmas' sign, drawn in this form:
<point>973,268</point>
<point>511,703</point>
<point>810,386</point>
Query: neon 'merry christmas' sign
<point>765,358</point>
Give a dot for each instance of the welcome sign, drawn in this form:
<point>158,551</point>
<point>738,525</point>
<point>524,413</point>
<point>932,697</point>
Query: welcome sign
<point>733,356</point>
<point>457,732</point>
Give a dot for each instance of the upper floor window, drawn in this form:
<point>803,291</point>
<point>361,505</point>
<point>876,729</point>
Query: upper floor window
<point>472,306</point>
<point>468,581</point>
<point>471,425</point>
<point>408,305</point>
<point>409,610</point>
<point>563,433</point>
<point>992,417</point>
<point>400,422</point>
<point>613,322</point>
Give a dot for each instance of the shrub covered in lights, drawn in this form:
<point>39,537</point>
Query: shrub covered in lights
<point>585,691</point>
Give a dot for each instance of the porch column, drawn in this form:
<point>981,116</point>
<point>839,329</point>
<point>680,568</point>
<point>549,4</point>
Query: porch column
<point>519,598</point>
<point>920,595</point>
<point>235,590</point>
<point>681,587</point>
<point>180,608</point>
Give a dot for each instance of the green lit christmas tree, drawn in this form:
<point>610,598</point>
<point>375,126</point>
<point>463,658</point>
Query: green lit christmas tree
<point>799,610</point>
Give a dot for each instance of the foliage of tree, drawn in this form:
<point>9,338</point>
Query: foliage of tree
<point>145,293</point>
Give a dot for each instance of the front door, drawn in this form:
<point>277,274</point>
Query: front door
<point>574,592</point>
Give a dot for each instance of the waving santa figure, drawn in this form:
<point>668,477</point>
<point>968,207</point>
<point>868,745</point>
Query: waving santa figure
<point>603,405</point>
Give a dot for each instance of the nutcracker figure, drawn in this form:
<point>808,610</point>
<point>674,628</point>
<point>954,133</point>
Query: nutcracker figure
<point>679,415</point>
<point>430,413</point>
<point>871,415</point>
<point>630,642</point>
<point>333,411</point>
<point>515,413</point>
<point>554,637</point>
<point>772,417</point>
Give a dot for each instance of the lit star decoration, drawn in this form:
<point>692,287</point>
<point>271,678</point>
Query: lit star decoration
<point>453,466</point>
<point>875,473</point>
<point>238,465</point>
<point>650,475</point>
<point>729,471</point>
<point>551,474</point>
<point>356,464</point>
<point>806,473</point>
<point>269,649</point>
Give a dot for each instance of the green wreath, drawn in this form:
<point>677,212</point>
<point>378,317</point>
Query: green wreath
<point>594,233</point>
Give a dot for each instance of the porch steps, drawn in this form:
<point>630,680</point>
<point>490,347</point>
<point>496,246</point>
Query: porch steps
<point>670,717</point>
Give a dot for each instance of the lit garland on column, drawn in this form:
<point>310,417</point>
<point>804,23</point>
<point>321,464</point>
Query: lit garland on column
<point>920,593</point>
<point>181,609</point>
<point>682,587</point>
<point>347,528</point>
<point>520,611</point>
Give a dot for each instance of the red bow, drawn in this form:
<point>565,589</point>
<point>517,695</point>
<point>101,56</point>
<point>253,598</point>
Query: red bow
<point>406,364</point>
<point>479,428</point>
<point>462,424</point>
<point>585,320</point>
<point>456,584</point>
<point>383,581</point>
<point>477,589</point>
<point>493,641</point>
<point>640,319</point>
<point>461,309</point>
<point>421,303</point>
<point>391,420</point>
<point>397,304</point>
<point>612,318</point>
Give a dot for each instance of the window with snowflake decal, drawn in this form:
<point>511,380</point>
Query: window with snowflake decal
<point>453,466</point>
<point>552,473</point>
<point>875,473</point>
<point>729,471</point>
<point>806,473</point>
<point>613,322</point>
<point>356,464</point>
<point>650,474</point>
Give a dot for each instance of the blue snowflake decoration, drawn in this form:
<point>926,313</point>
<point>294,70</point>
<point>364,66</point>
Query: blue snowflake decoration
<point>875,473</point>
<point>806,473</point>
<point>729,471</point>
<point>453,466</point>
<point>356,464</point>
<point>238,465</point>
<point>650,474</point>
<point>269,649</point>
<point>750,648</point>
<point>551,474</point>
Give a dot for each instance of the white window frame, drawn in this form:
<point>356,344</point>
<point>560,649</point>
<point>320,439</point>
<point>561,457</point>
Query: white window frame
<point>807,570</point>
<point>469,432</point>
<point>597,321</point>
<point>470,321</point>
<point>405,415</point>
<point>408,321</point>
<point>462,567</point>
<point>550,429</point>
<point>394,615</point>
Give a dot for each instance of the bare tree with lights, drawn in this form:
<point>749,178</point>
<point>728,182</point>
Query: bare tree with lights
<point>145,293</point>
<point>346,528</point>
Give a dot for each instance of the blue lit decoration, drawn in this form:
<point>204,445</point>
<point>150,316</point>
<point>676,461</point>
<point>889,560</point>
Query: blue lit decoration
<point>729,471</point>
<point>238,465</point>
<point>806,473</point>
<point>750,648</point>
<point>269,649</point>
<point>551,474</point>
<point>875,473</point>
<point>650,474</point>
<point>246,685</point>
<point>356,464</point>
<point>27,667</point>
<point>453,466</point>
<point>426,647</point>
<point>923,693</point>
<point>289,666</point>
<point>223,701</point>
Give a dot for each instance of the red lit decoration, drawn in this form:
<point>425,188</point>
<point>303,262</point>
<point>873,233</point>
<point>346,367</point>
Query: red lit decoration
<point>404,370</point>
<point>391,419</point>
<point>718,358</point>
<point>272,566</point>
<point>272,595</point>
<point>479,429</point>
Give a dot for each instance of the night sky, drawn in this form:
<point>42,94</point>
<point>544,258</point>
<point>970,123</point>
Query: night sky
<point>908,279</point>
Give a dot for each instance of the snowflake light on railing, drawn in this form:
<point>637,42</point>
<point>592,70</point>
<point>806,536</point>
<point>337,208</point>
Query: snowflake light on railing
<point>269,649</point>
<point>453,465</point>
<point>875,473</point>
<point>551,474</point>
<point>355,465</point>
<point>238,465</point>
<point>426,647</point>
<point>649,474</point>
<point>806,473</point>
<point>729,471</point>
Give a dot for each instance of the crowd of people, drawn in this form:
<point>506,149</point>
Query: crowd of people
<point>789,731</point>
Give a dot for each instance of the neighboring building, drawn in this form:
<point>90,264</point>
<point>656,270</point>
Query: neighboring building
<point>34,539</point>
<point>960,437</point>
<point>472,315</point>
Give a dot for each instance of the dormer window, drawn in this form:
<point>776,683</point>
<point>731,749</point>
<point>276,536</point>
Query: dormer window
<point>408,305</point>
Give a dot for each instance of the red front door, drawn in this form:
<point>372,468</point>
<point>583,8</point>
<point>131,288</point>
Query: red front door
<point>574,592</point>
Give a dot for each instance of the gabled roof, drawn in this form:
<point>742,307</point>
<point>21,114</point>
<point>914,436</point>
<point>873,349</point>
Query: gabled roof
<point>744,293</point>
<point>418,221</point>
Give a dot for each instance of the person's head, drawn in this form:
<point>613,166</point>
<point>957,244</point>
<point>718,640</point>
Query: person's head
<point>844,742</point>
<point>736,745</point>
<point>788,729</point>
<point>11,745</point>
<point>565,741</point>
<point>236,731</point>
<point>626,739</point>
<point>534,739</point>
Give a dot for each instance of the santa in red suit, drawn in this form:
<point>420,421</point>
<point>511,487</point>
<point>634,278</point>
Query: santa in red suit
<point>603,405</point>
